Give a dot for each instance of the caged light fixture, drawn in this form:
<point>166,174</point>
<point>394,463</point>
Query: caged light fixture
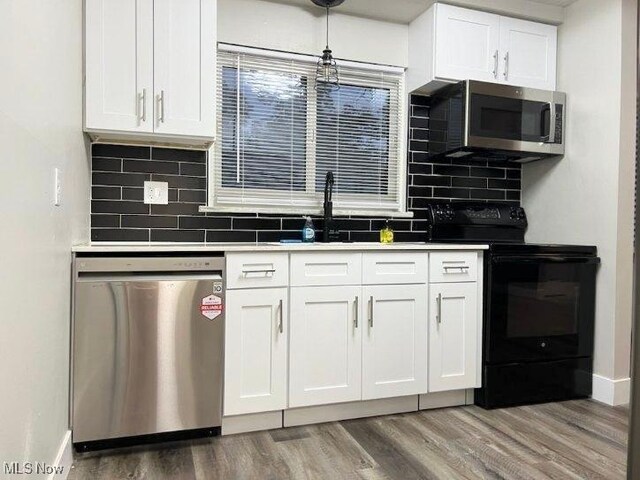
<point>327,69</point>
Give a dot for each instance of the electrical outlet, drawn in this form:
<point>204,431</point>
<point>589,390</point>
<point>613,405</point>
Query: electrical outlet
<point>156,193</point>
<point>57,187</point>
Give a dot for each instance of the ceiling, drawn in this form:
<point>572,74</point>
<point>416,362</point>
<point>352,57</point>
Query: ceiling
<point>403,11</point>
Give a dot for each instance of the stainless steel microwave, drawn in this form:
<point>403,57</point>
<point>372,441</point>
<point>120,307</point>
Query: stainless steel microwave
<point>473,118</point>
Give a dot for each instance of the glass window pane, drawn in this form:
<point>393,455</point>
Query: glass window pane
<point>271,151</point>
<point>353,138</point>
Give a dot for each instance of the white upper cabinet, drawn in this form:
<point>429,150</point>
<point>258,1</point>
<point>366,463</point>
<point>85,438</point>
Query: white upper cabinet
<point>394,344</point>
<point>466,44</point>
<point>449,44</point>
<point>119,65</point>
<point>185,66</point>
<point>528,53</point>
<point>150,68</point>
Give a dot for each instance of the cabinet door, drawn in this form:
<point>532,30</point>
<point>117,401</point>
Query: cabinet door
<point>119,65</point>
<point>255,351</point>
<point>528,52</point>
<point>325,345</point>
<point>394,345</point>
<point>185,67</point>
<point>466,44</point>
<point>453,335</point>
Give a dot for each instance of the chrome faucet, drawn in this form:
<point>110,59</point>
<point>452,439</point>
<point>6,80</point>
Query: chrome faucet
<point>329,232</point>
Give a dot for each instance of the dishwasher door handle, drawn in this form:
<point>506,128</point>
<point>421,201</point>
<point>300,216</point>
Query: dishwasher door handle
<point>107,277</point>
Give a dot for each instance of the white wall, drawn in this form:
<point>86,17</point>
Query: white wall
<point>587,196</point>
<point>40,128</point>
<point>302,29</point>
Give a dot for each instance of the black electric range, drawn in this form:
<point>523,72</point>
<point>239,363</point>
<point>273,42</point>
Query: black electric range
<point>539,305</point>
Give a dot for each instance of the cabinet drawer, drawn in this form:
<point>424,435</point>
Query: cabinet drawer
<point>254,270</point>
<point>445,267</point>
<point>394,268</point>
<point>329,268</point>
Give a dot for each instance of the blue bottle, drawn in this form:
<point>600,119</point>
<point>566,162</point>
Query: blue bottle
<point>308,232</point>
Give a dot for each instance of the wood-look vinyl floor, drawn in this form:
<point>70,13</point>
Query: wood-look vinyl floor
<point>568,440</point>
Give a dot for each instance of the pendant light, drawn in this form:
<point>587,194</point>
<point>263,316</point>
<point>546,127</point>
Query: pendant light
<point>327,69</point>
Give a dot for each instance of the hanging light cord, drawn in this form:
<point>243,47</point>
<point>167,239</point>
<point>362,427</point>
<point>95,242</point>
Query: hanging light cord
<point>327,26</point>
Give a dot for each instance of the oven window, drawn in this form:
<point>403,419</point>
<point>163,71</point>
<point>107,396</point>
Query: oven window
<point>509,118</point>
<point>542,309</point>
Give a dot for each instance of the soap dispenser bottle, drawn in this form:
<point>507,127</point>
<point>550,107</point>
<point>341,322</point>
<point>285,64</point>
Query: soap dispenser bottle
<point>386,234</point>
<point>308,231</point>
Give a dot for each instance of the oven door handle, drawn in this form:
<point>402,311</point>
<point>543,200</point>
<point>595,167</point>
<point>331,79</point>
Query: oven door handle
<point>546,259</point>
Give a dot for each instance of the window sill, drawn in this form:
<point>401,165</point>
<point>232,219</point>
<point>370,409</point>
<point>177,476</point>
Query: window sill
<point>305,211</point>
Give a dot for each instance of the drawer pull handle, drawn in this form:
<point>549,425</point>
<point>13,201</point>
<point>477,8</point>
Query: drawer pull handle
<point>268,272</point>
<point>462,268</point>
<point>356,317</point>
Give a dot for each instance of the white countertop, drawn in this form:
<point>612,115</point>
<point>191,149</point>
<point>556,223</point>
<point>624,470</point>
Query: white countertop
<point>151,247</point>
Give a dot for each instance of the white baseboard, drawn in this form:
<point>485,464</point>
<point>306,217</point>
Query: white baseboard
<point>611,392</point>
<point>252,422</point>
<point>344,411</point>
<point>64,458</point>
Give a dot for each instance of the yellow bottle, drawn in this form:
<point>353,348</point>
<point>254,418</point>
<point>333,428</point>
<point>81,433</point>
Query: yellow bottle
<point>386,234</point>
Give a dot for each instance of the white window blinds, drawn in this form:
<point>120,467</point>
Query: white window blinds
<point>279,134</point>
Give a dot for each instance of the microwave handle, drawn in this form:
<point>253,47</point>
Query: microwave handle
<point>551,137</point>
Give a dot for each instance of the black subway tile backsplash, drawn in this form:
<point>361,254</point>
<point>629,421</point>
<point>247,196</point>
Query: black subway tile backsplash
<point>177,235</point>
<point>178,155</point>
<point>118,174</point>
<point>151,166</point>
<point>117,206</point>
<point>99,164</point>
<point>193,196</point>
<point>106,193</point>
<point>119,235</point>
<point>120,151</point>
<point>119,179</point>
<point>149,221</point>
<point>205,223</point>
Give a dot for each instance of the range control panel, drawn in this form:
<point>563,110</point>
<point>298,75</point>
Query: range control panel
<point>477,214</point>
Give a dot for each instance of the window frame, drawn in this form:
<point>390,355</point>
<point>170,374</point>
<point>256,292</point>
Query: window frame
<point>355,206</point>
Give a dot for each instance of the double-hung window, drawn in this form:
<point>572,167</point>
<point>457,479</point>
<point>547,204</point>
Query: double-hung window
<point>279,133</point>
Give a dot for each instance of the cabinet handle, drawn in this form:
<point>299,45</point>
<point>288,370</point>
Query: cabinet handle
<point>506,66</point>
<point>495,65</point>
<point>143,99</point>
<point>356,306</point>
<point>161,101</point>
<point>371,311</point>
<point>267,273</point>
<point>281,322</point>
<point>439,310</point>
<point>462,268</point>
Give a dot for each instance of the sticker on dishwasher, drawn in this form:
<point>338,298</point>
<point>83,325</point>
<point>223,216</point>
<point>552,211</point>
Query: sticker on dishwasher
<point>211,306</point>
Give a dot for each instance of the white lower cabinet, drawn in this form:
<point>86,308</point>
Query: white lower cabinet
<point>295,340</point>
<point>325,358</point>
<point>256,351</point>
<point>453,336</point>
<point>394,343</point>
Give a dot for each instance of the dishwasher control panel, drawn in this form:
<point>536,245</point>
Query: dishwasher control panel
<point>99,264</point>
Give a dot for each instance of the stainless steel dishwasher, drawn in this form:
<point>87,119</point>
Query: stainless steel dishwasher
<point>148,339</point>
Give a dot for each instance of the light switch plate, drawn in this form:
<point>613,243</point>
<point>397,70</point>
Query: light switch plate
<point>57,187</point>
<point>156,193</point>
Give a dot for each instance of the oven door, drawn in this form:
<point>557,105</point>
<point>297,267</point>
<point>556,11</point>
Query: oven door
<point>539,308</point>
<point>514,119</point>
